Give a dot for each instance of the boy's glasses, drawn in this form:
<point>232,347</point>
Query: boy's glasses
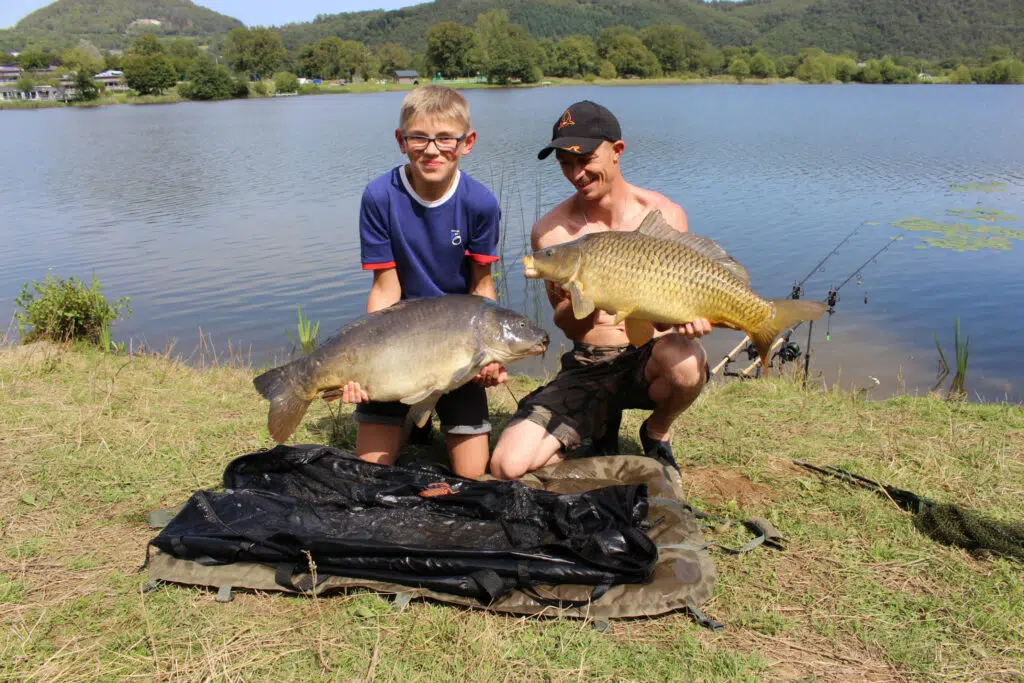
<point>444,143</point>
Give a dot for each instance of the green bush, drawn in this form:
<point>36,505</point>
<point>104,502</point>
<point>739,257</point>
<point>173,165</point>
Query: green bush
<point>260,88</point>
<point>240,88</point>
<point>66,310</point>
<point>285,81</point>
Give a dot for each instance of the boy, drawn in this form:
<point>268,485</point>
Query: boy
<point>427,228</point>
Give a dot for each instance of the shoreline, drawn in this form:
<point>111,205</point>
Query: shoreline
<point>369,88</point>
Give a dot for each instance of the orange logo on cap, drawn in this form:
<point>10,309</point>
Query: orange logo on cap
<point>566,120</point>
<point>573,148</point>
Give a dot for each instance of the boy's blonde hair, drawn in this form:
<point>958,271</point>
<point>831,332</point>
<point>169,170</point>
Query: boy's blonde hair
<point>436,101</point>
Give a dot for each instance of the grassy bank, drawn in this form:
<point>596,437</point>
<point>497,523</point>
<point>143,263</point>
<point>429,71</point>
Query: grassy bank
<point>90,443</point>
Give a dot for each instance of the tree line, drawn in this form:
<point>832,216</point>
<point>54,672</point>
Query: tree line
<point>499,51</point>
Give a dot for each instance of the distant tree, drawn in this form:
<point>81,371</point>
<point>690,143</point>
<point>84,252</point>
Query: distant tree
<point>391,57</point>
<point>508,50</point>
<point>112,61</point>
<point>33,60</point>
<point>607,37</point>
<point>961,75</point>
<point>337,58</point>
<point>816,67</point>
<point>632,58</point>
<point>83,57</point>
<point>1005,71</point>
<point>606,69</point>
<point>183,53</point>
<point>147,44</point>
<point>762,66</point>
<point>147,68</point>
<point>449,49</point>
<point>573,56</point>
<point>209,81</point>
<point>846,69</point>
<point>85,87</point>
<point>286,82</point>
<point>785,66</point>
<point>995,53</point>
<point>306,63</point>
<point>25,83</point>
<point>254,51</point>
<point>677,48</point>
<point>739,69</point>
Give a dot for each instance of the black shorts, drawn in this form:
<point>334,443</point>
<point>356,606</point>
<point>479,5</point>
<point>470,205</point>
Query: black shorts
<point>463,411</point>
<point>593,382</point>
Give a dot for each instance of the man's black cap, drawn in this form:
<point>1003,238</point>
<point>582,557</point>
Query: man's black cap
<point>581,128</point>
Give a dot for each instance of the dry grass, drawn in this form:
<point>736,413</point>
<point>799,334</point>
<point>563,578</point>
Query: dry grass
<point>90,443</point>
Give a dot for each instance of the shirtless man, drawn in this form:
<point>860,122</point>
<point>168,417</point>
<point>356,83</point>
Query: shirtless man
<point>603,374</point>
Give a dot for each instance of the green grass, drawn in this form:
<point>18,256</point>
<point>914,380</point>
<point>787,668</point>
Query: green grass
<point>91,442</point>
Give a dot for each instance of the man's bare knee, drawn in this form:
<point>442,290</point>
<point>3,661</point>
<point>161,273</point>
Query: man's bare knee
<point>678,361</point>
<point>521,448</point>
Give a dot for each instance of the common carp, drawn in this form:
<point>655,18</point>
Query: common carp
<point>413,351</point>
<point>657,274</point>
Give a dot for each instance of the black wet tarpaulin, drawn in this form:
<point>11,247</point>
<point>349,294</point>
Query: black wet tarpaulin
<point>295,507</point>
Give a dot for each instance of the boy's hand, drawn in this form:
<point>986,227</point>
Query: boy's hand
<point>350,393</point>
<point>491,375</point>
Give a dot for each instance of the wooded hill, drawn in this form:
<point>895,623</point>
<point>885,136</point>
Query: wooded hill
<point>112,24</point>
<point>931,29</point>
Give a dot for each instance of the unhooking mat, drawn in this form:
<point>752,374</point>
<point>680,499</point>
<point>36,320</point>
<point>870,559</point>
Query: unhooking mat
<point>607,537</point>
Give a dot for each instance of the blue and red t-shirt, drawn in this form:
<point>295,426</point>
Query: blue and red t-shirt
<point>430,244</point>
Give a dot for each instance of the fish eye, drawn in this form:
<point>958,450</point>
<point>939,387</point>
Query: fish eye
<point>549,252</point>
<point>522,323</point>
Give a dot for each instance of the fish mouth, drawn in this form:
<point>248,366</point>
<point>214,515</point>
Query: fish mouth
<point>541,346</point>
<point>529,268</point>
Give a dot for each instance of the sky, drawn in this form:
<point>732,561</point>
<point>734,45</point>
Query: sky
<point>250,12</point>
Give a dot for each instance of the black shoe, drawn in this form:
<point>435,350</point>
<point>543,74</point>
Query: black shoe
<point>659,450</point>
<point>609,443</point>
<point>421,436</point>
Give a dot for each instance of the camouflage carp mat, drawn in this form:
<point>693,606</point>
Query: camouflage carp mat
<point>604,537</point>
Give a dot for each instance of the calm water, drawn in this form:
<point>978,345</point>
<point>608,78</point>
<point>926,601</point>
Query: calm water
<point>224,216</point>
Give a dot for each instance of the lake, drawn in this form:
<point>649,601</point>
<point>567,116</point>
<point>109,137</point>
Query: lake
<point>223,217</point>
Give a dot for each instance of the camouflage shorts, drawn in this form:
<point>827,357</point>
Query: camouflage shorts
<point>592,382</point>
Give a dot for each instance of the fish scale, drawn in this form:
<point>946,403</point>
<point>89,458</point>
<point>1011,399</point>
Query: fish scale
<point>627,263</point>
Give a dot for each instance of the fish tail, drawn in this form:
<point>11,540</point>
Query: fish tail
<point>788,312</point>
<point>288,403</point>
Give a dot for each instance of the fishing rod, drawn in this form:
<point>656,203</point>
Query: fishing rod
<point>833,298</point>
<point>795,294</point>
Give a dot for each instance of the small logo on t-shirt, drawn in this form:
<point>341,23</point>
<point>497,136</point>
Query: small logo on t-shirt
<point>456,237</point>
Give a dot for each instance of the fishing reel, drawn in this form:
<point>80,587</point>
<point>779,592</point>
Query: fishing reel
<point>788,352</point>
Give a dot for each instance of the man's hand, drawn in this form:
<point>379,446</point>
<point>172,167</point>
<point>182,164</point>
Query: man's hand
<point>350,393</point>
<point>491,375</point>
<point>695,329</point>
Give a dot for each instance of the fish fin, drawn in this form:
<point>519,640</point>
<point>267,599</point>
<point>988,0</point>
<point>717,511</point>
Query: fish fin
<point>581,306</point>
<point>639,331</point>
<point>417,398</point>
<point>788,312</point>
<point>620,316</point>
<point>654,225</point>
<point>419,412</point>
<point>287,404</point>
